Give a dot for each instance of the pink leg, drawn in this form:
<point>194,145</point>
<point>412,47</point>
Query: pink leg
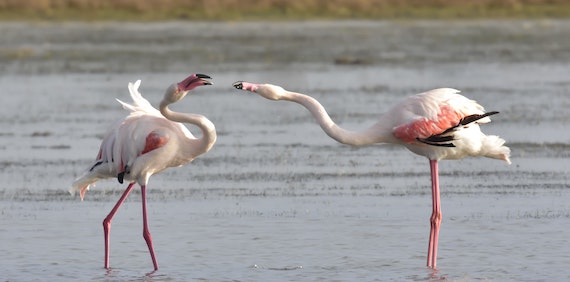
<point>107,221</point>
<point>146,233</point>
<point>435,219</point>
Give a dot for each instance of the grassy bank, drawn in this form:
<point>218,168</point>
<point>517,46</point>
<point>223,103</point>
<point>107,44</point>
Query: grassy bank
<point>157,10</point>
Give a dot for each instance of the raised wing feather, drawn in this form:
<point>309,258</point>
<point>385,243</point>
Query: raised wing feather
<point>140,104</point>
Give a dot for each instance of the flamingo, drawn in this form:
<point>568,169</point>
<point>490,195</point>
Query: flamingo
<point>146,142</point>
<point>438,124</point>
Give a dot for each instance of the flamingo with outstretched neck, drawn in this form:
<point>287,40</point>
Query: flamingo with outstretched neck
<point>438,124</point>
<point>146,142</point>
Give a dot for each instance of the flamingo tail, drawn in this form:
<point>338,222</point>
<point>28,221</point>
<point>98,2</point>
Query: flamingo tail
<point>493,147</point>
<point>82,183</point>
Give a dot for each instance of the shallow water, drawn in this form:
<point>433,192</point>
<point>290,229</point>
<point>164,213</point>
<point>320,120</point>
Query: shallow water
<point>276,199</point>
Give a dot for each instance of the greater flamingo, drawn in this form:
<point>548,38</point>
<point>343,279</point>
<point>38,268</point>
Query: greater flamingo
<point>438,124</point>
<point>146,142</point>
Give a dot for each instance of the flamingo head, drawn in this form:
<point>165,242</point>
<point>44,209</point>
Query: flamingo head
<point>178,90</point>
<point>268,91</point>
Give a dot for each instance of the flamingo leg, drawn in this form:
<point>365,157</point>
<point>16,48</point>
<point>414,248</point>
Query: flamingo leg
<point>109,218</point>
<point>146,234</point>
<point>435,220</point>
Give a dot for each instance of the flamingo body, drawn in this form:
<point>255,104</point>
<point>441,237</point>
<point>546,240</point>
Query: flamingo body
<point>440,112</point>
<point>147,142</point>
<point>438,124</point>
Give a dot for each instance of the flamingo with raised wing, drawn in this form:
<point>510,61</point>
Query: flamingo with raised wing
<point>146,142</point>
<point>438,124</point>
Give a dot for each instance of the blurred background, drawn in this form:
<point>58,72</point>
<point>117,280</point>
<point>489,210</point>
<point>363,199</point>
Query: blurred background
<point>278,9</point>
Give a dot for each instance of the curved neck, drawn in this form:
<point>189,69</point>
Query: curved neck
<point>374,134</point>
<point>208,138</point>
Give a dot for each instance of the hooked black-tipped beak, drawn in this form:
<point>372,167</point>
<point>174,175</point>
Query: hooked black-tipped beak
<point>199,75</point>
<point>193,81</point>
<point>247,86</point>
<point>202,78</point>
<point>238,85</point>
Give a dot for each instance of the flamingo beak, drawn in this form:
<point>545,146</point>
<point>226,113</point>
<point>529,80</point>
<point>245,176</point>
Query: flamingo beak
<point>238,85</point>
<point>242,85</point>
<point>194,81</point>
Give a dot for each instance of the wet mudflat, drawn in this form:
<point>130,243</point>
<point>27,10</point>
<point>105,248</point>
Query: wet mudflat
<point>276,199</point>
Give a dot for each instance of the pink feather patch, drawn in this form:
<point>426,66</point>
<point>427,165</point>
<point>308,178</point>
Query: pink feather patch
<point>153,142</point>
<point>424,127</point>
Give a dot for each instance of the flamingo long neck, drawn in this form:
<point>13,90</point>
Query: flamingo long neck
<point>375,134</point>
<point>208,138</point>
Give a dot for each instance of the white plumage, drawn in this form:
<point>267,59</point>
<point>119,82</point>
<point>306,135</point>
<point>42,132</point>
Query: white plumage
<point>438,124</point>
<point>146,142</point>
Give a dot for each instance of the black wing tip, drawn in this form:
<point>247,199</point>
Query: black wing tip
<point>121,177</point>
<point>473,118</point>
<point>434,142</point>
<point>442,140</point>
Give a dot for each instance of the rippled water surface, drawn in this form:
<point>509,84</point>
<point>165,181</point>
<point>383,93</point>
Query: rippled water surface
<point>276,199</point>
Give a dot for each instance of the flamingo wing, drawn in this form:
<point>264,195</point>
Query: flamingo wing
<point>431,117</point>
<point>140,104</point>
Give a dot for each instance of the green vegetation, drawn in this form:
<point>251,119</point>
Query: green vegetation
<point>241,10</point>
